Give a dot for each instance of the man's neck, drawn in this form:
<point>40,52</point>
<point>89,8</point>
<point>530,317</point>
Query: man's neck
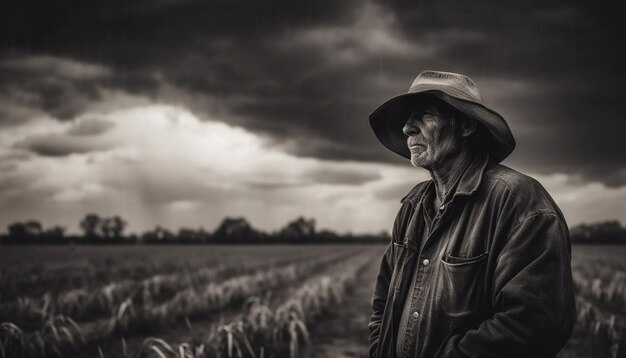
<point>445,174</point>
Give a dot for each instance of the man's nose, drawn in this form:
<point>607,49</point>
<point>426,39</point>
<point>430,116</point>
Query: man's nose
<point>410,127</point>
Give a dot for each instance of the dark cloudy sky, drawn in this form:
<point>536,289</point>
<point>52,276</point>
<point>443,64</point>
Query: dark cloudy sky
<point>178,113</point>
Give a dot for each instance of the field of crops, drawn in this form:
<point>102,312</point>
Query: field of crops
<point>237,301</point>
<point>600,279</point>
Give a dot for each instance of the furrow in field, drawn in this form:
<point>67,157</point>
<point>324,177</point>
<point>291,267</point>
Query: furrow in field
<point>82,304</point>
<point>603,285</point>
<point>34,271</point>
<point>199,328</point>
<point>605,327</point>
<point>343,332</point>
<point>279,331</point>
<point>190,302</point>
<point>86,276</point>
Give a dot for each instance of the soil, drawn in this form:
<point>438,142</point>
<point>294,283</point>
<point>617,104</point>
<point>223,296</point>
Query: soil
<point>343,331</point>
<point>198,328</point>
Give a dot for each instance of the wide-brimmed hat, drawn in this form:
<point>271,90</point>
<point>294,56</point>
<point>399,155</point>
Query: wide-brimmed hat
<point>457,90</point>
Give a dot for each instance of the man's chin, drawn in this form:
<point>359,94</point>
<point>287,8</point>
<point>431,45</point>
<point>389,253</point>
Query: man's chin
<point>419,162</point>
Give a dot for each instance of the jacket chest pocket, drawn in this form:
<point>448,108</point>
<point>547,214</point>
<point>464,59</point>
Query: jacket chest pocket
<point>461,285</point>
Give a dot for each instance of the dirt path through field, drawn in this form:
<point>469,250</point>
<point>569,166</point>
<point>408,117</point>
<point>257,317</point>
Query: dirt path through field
<point>343,332</point>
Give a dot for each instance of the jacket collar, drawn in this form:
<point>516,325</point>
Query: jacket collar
<point>468,183</point>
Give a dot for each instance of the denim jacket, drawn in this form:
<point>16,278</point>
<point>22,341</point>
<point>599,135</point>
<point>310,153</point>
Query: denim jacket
<point>495,273</point>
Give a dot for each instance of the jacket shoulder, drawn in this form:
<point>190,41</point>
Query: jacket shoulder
<point>511,177</point>
<point>527,194</point>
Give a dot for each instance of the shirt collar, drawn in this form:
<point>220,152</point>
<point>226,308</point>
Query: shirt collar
<point>468,182</point>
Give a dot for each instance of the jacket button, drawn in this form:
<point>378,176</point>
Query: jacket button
<point>415,314</point>
<point>426,262</point>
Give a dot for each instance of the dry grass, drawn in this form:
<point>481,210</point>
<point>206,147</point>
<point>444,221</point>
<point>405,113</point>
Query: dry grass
<point>263,331</point>
<point>59,334</point>
<point>601,305</point>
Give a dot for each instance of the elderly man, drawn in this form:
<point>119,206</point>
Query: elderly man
<point>479,263</point>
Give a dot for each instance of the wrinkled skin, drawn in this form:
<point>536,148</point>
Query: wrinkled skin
<point>432,136</point>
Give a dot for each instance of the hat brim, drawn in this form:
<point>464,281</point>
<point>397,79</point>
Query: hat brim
<point>388,119</point>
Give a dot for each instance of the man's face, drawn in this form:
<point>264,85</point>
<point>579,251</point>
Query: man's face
<point>432,136</point>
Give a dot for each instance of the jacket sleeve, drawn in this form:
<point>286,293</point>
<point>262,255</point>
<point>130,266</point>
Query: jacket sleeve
<point>379,299</point>
<point>533,296</point>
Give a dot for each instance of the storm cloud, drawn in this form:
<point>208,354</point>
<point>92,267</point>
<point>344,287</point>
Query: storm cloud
<point>303,77</point>
<point>310,73</point>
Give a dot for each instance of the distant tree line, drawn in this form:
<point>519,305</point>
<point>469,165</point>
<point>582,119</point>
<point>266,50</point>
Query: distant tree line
<point>606,232</point>
<point>237,230</point>
<point>232,230</point>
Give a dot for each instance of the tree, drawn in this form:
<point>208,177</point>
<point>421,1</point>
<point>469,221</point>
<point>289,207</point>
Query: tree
<point>18,232</point>
<point>112,228</point>
<point>106,227</point>
<point>327,236</point>
<point>192,236</point>
<point>91,225</point>
<point>119,225</point>
<point>54,234</point>
<point>28,231</point>
<point>33,228</point>
<point>298,230</point>
<point>236,230</point>
<point>158,235</point>
<point>607,231</point>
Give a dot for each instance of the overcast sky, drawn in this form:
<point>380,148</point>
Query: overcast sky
<point>179,113</point>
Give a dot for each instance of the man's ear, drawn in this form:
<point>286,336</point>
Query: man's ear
<point>468,127</point>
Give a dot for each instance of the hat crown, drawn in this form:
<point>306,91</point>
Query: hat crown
<point>454,84</point>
